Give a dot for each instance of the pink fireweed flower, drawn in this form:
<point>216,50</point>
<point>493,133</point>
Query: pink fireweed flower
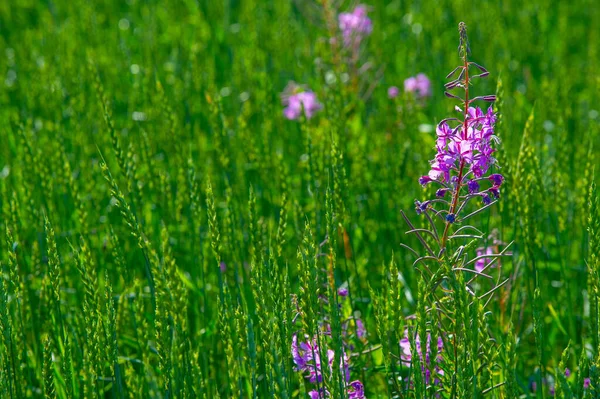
<point>355,390</point>
<point>473,186</point>
<point>393,92</point>
<point>361,331</point>
<point>472,146</point>
<point>307,357</point>
<point>567,373</point>
<point>420,85</point>
<point>297,99</point>
<point>314,394</point>
<point>407,354</point>
<point>355,25</point>
<point>441,193</point>
<point>481,264</point>
<point>486,254</point>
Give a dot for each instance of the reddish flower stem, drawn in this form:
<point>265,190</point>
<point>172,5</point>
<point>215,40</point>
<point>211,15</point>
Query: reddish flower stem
<point>459,182</point>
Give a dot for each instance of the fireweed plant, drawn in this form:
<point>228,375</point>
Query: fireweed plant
<point>348,34</point>
<point>420,85</point>
<point>452,297</point>
<point>298,100</point>
<point>355,26</point>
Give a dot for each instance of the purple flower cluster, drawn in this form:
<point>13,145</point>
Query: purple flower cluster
<point>420,85</point>
<point>355,390</point>
<point>355,25</point>
<point>406,356</point>
<point>307,358</point>
<point>469,144</point>
<point>361,331</point>
<point>296,100</point>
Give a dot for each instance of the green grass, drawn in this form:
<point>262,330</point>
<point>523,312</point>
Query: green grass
<point>166,231</point>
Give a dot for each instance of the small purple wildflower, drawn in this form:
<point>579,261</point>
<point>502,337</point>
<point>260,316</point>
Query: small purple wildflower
<point>222,267</point>
<point>307,357</point>
<point>420,85</point>
<point>424,180</point>
<point>494,192</point>
<point>567,373</point>
<point>493,249</point>
<point>533,386</point>
<point>441,193</point>
<point>480,264</point>
<point>361,331</point>
<point>405,346</point>
<point>421,206</point>
<point>406,355</point>
<point>355,25</point>
<point>356,390</point>
<point>473,186</point>
<point>314,394</point>
<point>296,100</point>
<point>393,92</point>
<point>299,353</point>
<point>343,291</point>
<point>450,218</point>
<point>486,199</point>
<point>496,178</point>
<point>586,383</point>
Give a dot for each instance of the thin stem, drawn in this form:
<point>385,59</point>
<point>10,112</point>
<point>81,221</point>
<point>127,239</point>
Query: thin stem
<point>454,202</point>
<point>427,247</point>
<point>462,162</point>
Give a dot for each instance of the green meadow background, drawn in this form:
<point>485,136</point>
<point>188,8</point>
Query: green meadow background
<point>160,217</point>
